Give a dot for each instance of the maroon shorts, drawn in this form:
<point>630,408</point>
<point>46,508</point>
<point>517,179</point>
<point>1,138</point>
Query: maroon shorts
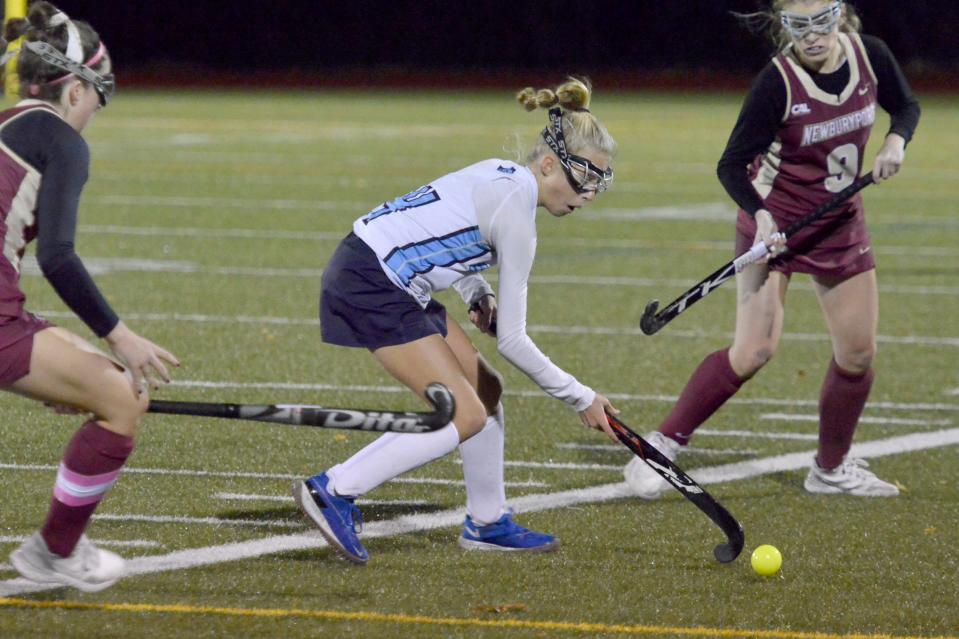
<point>16,345</point>
<point>809,254</point>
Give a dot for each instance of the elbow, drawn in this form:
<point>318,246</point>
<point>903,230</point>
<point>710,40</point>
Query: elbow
<point>47,264</point>
<point>51,262</point>
<point>722,170</point>
<point>506,344</point>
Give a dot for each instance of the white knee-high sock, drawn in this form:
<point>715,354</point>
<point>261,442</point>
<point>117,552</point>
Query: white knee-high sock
<point>483,470</point>
<point>390,455</point>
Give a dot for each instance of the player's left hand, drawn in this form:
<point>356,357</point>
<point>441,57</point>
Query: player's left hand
<point>483,314</point>
<point>890,157</point>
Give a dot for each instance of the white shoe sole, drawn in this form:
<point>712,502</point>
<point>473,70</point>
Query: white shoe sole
<point>45,576</point>
<point>831,490</point>
<point>820,488</point>
<point>304,501</point>
<point>470,544</point>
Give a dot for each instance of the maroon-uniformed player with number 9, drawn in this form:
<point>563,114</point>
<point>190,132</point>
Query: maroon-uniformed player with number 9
<point>800,139</point>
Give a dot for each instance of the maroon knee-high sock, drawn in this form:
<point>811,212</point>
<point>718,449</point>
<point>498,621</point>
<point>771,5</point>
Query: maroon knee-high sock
<point>841,401</point>
<point>710,386</point>
<point>91,463</point>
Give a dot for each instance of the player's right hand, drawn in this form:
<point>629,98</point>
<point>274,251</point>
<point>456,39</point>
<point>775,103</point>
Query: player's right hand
<point>143,358</point>
<point>595,416</point>
<point>768,233</point>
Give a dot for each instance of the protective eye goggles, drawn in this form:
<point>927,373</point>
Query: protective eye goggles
<point>105,85</point>
<point>822,23</point>
<point>583,175</point>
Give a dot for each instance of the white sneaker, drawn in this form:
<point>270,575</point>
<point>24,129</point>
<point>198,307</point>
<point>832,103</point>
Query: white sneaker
<point>88,568</point>
<point>851,478</point>
<point>643,480</point>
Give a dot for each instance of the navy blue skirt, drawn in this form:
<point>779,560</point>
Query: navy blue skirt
<point>361,307</point>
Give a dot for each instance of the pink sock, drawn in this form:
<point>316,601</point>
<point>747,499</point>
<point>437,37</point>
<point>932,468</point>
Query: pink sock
<point>841,401</point>
<point>710,386</point>
<point>90,465</point>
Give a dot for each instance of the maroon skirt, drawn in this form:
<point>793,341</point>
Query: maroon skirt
<point>16,345</point>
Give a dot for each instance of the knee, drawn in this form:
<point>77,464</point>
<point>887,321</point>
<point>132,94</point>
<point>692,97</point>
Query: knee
<point>123,409</point>
<point>470,416</point>
<point>856,360</point>
<point>747,362</point>
<point>489,386</point>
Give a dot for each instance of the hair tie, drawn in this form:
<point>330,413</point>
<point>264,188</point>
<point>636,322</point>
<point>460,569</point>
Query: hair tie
<point>74,47</point>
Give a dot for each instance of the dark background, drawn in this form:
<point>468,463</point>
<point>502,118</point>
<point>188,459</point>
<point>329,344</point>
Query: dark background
<point>480,42</point>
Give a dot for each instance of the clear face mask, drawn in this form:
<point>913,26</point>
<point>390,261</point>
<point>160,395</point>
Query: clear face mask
<point>583,175</point>
<point>822,23</point>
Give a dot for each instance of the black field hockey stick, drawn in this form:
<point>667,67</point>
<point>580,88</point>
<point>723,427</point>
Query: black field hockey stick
<point>652,321</point>
<point>735,539</point>
<point>340,418</point>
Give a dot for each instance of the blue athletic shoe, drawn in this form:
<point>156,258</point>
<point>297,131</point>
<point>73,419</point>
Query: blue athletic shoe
<point>505,535</point>
<point>337,518</point>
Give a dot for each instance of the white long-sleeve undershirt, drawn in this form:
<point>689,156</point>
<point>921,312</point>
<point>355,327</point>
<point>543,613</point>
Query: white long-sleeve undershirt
<point>507,218</point>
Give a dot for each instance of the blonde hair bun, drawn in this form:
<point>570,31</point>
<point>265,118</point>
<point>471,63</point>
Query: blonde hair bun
<point>572,95</point>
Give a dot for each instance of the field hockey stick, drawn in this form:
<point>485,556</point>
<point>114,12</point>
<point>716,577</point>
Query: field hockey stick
<point>652,321</point>
<point>735,538</point>
<point>340,418</point>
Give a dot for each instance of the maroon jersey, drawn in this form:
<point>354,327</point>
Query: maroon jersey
<point>19,185</point>
<point>817,152</point>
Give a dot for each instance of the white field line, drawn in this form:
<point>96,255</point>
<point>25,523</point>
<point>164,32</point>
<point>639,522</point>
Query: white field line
<point>561,465</point>
<point>290,130</point>
<point>717,212</point>
<point>953,391</point>
<point>709,432</point>
<point>202,521</point>
<point>722,246</point>
<point>240,181</point>
<point>532,328</point>
<point>219,234</point>
<point>200,318</point>
<point>243,474</point>
<point>245,204</point>
<point>713,212</point>
<point>318,236</point>
<point>888,421</point>
<point>119,543</point>
<point>614,448</point>
<point>195,557</point>
<point>918,340</point>
<point>361,388</point>
<point>289,498</point>
<point>104,265</point>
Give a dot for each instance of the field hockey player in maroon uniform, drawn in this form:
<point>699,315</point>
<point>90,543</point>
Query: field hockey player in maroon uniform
<point>800,139</point>
<point>65,78</point>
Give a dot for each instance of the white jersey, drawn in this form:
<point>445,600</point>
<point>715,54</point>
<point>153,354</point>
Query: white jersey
<point>445,233</point>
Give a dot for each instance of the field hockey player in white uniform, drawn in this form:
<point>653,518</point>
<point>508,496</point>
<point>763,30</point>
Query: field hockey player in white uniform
<point>377,294</point>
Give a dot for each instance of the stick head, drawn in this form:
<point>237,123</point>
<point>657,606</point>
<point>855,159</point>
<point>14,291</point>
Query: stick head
<point>443,402</point>
<point>648,322</point>
<point>726,553</point>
